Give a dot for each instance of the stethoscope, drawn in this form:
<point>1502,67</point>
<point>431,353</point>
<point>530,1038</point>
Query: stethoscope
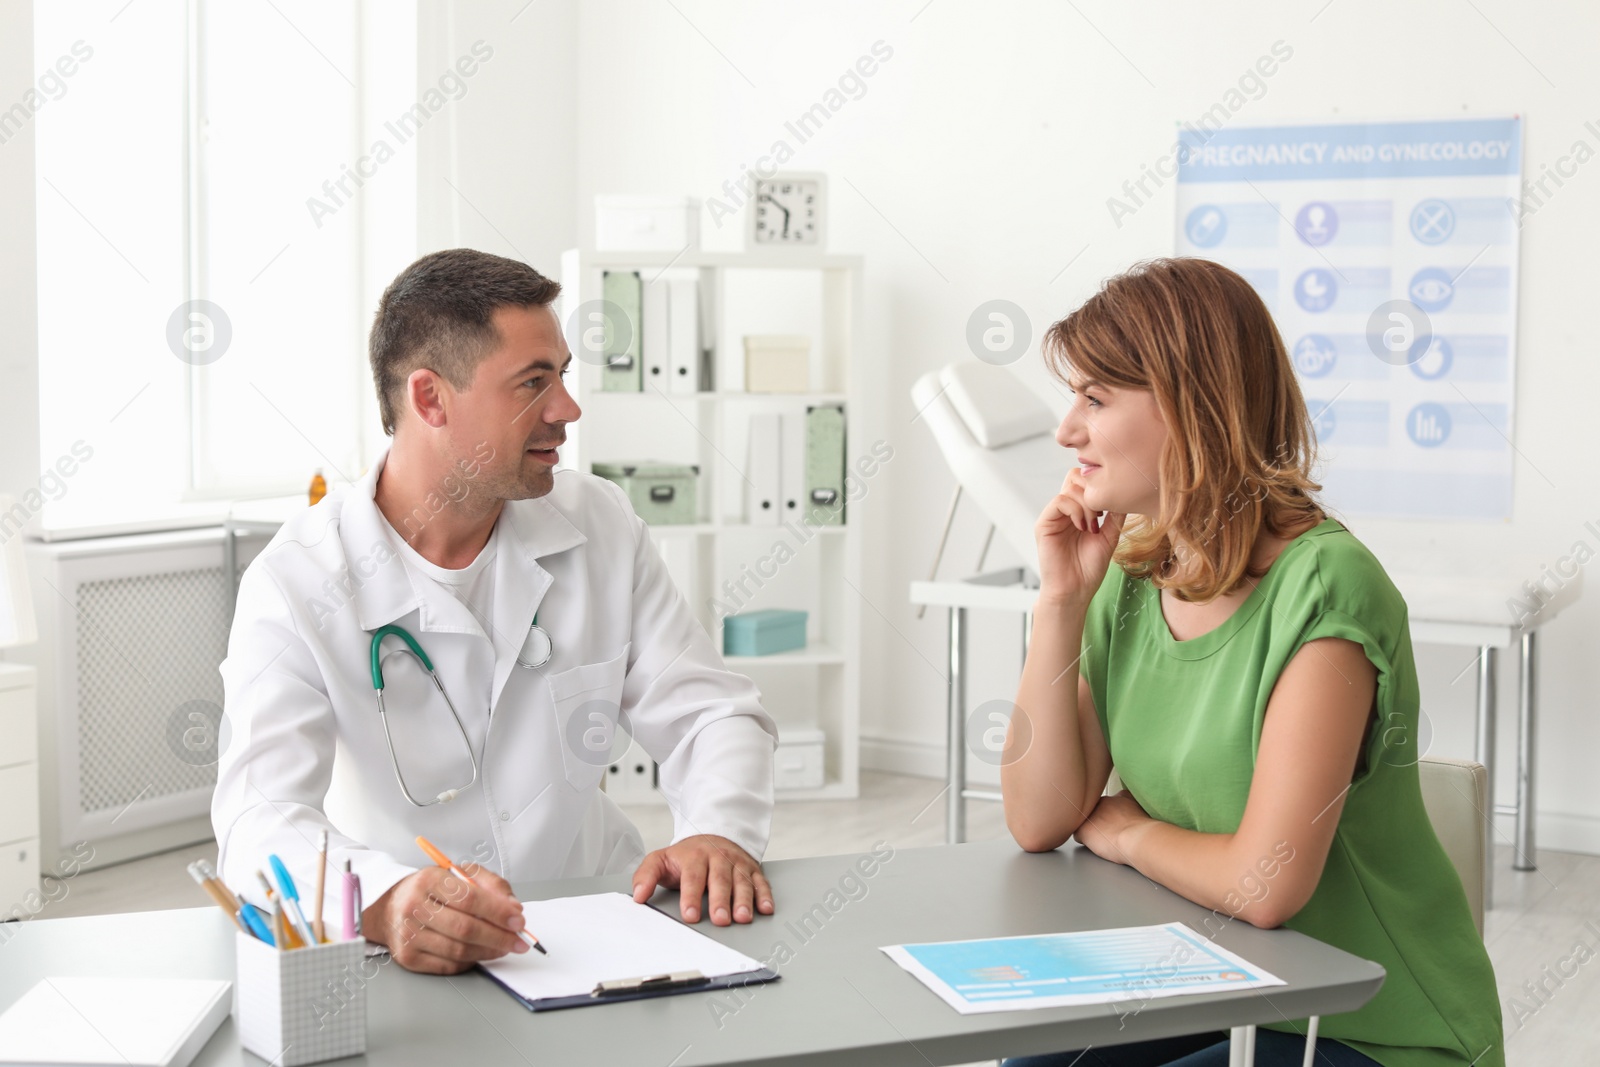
<point>536,652</point>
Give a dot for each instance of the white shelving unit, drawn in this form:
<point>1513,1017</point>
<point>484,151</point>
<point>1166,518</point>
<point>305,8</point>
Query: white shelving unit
<point>723,562</point>
<point>20,860</point>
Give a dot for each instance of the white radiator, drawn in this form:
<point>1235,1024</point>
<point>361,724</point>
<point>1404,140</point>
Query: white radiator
<point>131,632</point>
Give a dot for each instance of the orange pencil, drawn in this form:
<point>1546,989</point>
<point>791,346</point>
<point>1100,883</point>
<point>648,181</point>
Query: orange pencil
<point>444,861</point>
<point>217,892</point>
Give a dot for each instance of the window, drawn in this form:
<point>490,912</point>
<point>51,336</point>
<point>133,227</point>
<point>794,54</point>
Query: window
<point>109,157</point>
<point>213,235</point>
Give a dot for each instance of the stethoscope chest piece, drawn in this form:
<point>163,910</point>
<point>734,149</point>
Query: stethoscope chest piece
<point>536,648</point>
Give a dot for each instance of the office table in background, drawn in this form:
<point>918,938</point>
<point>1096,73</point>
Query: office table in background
<point>841,1001</point>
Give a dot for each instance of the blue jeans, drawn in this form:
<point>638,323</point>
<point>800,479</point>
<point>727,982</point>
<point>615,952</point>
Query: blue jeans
<point>1201,1050</point>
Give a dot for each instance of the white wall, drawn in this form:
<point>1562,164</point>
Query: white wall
<point>495,170</point>
<point>19,336</point>
<point>978,164</point>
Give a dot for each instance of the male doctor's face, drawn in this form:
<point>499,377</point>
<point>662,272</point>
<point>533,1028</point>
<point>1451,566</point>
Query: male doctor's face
<point>519,405</point>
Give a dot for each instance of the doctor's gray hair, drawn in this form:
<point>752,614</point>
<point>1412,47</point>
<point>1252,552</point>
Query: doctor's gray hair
<point>438,314</point>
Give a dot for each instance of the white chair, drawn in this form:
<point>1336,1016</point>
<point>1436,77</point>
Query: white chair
<point>1455,794</point>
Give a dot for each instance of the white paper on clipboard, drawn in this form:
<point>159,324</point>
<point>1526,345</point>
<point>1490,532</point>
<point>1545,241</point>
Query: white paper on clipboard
<point>605,937</point>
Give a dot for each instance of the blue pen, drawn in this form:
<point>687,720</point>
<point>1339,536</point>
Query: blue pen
<point>291,900</point>
<point>251,915</point>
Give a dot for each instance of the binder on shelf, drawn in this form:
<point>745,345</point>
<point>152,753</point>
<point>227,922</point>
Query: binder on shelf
<point>792,481</point>
<point>824,503</point>
<point>623,368</point>
<point>683,331</point>
<point>708,337</point>
<point>655,336</point>
<point>764,470</point>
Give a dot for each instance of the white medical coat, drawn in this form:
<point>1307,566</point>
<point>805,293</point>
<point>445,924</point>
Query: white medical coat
<point>302,747</point>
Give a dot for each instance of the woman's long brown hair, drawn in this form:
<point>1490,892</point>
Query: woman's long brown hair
<point>1240,445</point>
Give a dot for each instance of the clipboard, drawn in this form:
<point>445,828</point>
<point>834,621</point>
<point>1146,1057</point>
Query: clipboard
<point>604,949</point>
<point>643,988</point>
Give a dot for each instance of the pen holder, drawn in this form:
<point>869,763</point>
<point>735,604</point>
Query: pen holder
<point>304,1005</point>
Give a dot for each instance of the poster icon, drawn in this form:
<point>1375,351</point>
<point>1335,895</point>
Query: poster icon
<point>1317,223</point>
<point>1323,422</point>
<point>1206,226</point>
<point>1315,290</point>
<point>1428,424</point>
<point>1433,221</point>
<point>1314,355</point>
<point>1432,288</point>
<point>1431,360</point>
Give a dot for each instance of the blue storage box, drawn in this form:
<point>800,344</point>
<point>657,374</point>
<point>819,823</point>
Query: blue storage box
<point>761,633</point>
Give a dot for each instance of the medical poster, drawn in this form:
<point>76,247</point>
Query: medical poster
<point>1128,965</point>
<point>1387,252</point>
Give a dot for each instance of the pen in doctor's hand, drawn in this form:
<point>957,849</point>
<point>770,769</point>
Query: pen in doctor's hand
<point>444,861</point>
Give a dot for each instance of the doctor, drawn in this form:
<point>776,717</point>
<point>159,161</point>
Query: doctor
<point>549,620</point>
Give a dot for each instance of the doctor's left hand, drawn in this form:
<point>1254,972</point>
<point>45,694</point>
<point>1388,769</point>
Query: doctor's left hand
<point>729,876</point>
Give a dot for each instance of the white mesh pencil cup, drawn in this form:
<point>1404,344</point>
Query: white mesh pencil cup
<point>305,1005</point>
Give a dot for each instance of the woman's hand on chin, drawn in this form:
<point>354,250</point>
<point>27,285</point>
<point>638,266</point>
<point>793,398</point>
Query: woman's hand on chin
<point>1075,544</point>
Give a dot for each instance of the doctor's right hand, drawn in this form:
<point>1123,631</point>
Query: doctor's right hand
<point>1075,545</point>
<point>434,923</point>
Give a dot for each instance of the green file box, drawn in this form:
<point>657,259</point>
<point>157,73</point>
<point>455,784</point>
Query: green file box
<point>624,368</point>
<point>662,494</point>
<point>824,502</point>
<point>762,633</point>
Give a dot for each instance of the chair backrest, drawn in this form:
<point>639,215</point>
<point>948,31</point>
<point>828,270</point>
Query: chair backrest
<point>1455,794</point>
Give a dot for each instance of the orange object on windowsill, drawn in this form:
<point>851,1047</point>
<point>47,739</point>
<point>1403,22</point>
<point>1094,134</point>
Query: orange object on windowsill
<point>319,486</point>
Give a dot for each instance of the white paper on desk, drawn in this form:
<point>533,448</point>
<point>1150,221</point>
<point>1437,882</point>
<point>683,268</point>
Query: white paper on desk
<point>150,1022</point>
<point>605,937</point>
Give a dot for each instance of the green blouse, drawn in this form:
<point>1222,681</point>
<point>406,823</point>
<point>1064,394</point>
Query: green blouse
<point>1183,722</point>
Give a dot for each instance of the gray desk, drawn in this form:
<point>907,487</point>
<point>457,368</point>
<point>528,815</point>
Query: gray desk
<point>841,1002</point>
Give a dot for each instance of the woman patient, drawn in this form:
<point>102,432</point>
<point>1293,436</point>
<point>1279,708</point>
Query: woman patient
<point>1245,667</point>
